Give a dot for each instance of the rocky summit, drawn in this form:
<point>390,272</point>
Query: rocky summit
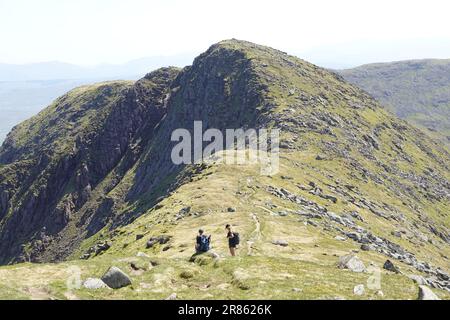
<point>88,190</point>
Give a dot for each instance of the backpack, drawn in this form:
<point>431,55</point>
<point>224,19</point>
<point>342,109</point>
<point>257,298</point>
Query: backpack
<point>236,238</point>
<point>204,244</point>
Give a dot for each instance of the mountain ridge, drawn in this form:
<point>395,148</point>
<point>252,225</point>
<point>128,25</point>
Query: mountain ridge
<point>57,70</point>
<point>348,169</point>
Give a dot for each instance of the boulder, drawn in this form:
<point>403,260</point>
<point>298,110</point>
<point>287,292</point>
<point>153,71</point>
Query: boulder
<point>281,243</point>
<point>163,239</point>
<point>139,266</point>
<point>187,274</point>
<point>320,157</point>
<point>389,266</point>
<point>351,262</point>
<point>173,296</point>
<point>116,278</point>
<point>397,234</point>
<point>359,290</point>
<point>94,284</point>
<point>426,293</point>
<point>418,279</point>
<point>139,237</point>
<point>142,255</point>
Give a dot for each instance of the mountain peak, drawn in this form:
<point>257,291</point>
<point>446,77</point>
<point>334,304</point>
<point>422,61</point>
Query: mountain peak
<point>348,170</point>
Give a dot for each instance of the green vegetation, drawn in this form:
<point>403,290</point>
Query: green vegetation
<point>417,91</point>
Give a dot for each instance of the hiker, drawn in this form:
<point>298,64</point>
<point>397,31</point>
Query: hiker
<point>233,240</point>
<point>203,242</point>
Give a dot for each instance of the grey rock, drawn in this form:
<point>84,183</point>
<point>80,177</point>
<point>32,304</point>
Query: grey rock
<point>283,214</point>
<point>139,237</point>
<point>96,250</point>
<point>116,278</point>
<point>94,284</point>
<point>351,262</point>
<point>173,296</point>
<point>442,275</point>
<point>359,290</point>
<point>354,236</point>
<point>85,256</point>
<point>397,234</point>
<point>281,243</point>
<point>310,222</point>
<point>418,279</point>
<point>163,239</point>
<point>340,238</point>
<point>388,265</point>
<point>355,215</point>
<point>320,157</point>
<point>426,293</point>
<point>142,255</point>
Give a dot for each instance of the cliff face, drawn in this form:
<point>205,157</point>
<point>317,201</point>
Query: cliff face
<point>99,157</point>
<point>51,164</point>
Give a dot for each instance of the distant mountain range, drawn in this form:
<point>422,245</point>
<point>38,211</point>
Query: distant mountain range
<point>20,100</point>
<point>415,90</point>
<point>27,89</point>
<point>59,70</point>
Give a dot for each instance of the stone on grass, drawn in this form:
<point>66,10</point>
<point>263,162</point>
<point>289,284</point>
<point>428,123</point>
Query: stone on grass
<point>94,284</point>
<point>281,243</point>
<point>187,274</point>
<point>173,296</point>
<point>418,279</point>
<point>389,266</point>
<point>159,239</point>
<point>426,293</point>
<point>142,255</point>
<point>352,263</point>
<point>116,278</point>
<point>359,290</point>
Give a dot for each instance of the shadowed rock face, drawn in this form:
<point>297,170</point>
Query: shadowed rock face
<point>52,163</point>
<point>100,155</point>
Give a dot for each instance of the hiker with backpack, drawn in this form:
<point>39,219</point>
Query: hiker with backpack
<point>203,242</point>
<point>233,240</point>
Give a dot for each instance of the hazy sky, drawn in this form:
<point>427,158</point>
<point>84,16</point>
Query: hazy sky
<point>113,31</point>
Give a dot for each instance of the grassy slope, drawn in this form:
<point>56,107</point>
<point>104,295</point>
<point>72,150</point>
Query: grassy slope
<point>418,91</point>
<point>262,270</point>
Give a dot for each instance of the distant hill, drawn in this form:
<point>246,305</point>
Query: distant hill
<point>27,89</point>
<point>60,70</point>
<point>415,90</point>
<point>20,100</point>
